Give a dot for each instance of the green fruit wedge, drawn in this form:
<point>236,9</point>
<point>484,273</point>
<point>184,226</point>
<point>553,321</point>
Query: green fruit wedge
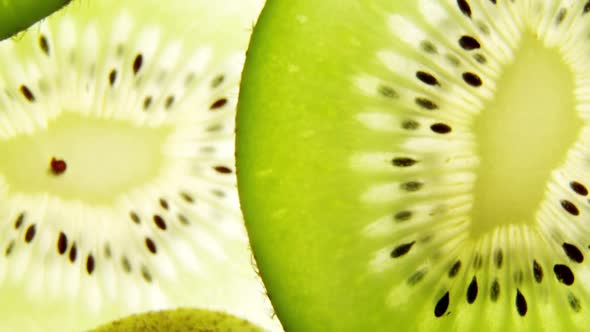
<point>419,165</point>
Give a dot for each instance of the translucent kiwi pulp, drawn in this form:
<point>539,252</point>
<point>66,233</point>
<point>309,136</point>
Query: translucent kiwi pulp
<point>117,179</point>
<point>419,165</point>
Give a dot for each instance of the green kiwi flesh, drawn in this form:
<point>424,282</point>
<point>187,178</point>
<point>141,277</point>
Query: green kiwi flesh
<point>419,165</point>
<point>180,320</point>
<point>17,15</point>
<point>117,182</point>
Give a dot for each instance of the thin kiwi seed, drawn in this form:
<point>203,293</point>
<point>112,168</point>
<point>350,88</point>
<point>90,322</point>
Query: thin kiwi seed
<point>30,233</point>
<point>27,93</point>
<point>495,290</point>
<point>498,258</point>
<point>404,162</point>
<point>219,103</point>
<point>428,47</point>
<point>73,253</point>
<point>137,63</point>
<point>19,220</point>
<point>465,8</point>
<point>411,186</point>
<point>44,44</point>
<point>455,269</point>
<point>426,104</point>
<point>472,290</point>
<point>387,92</point>
<point>537,272</point>
<point>402,249</point>
<point>574,302</point>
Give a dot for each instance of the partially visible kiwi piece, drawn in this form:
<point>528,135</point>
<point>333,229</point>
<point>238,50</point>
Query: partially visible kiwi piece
<point>117,178</point>
<point>17,15</point>
<point>419,165</point>
<point>180,320</point>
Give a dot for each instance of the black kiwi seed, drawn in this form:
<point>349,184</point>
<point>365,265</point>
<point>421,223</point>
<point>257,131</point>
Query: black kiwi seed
<point>586,8</point>
<point>521,305</point>
<point>455,269</point>
<point>27,93</point>
<point>472,290</point>
<point>137,63</point>
<point>469,43</point>
<point>19,220</point>
<point>573,252</point>
<point>472,79</point>
<point>427,78</point>
<point>163,203</point>
<point>90,264</point>
<point>222,169</point>
<point>44,44</point>
<point>579,188</point>
<point>464,7</point>
<point>73,253</point>
<point>537,271</point>
<point>442,305</point>
<point>159,222</point>
<point>402,249</point>
<point>30,233</point>
<point>149,243</point>
<point>219,103</point>
<point>563,274</point>
<point>403,162</point>
<point>495,290</point>
<point>441,128</point>
<point>62,243</point>
<point>113,77</point>
<point>570,207</point>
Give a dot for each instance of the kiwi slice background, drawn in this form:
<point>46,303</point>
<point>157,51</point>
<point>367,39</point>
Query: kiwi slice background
<point>117,176</point>
<point>17,15</point>
<point>419,165</point>
<point>180,320</point>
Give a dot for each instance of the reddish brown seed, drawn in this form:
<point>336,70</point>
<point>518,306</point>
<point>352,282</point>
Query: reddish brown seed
<point>58,166</point>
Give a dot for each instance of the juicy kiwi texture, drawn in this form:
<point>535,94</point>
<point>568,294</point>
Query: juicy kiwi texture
<point>117,178</point>
<point>180,320</point>
<point>419,165</point>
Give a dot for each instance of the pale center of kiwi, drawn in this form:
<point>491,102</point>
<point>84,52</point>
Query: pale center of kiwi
<point>104,158</point>
<point>523,134</point>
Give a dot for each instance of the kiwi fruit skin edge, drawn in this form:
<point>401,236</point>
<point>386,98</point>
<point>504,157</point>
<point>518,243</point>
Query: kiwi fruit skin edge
<point>180,320</point>
<point>49,284</point>
<point>17,15</point>
<point>321,177</point>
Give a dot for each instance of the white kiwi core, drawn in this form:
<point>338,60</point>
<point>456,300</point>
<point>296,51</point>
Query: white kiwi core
<point>523,135</point>
<point>97,153</point>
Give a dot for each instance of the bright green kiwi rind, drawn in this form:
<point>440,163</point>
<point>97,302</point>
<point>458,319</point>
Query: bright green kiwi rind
<point>17,15</point>
<point>298,193</point>
<point>180,320</point>
<point>232,285</point>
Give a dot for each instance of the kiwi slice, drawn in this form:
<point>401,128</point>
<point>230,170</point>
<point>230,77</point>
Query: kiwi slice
<point>117,175</point>
<point>419,165</point>
<point>180,320</point>
<point>17,15</point>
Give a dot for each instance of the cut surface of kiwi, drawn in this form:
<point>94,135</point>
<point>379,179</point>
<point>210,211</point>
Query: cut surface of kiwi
<point>180,320</point>
<point>419,165</point>
<point>117,178</point>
